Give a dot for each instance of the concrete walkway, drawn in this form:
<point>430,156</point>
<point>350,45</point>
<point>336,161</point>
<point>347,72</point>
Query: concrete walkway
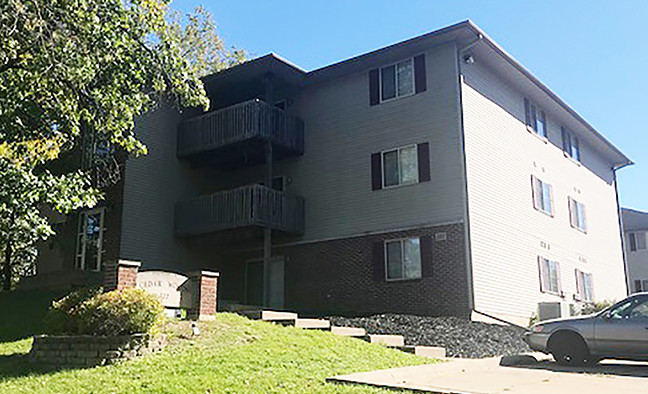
<point>487,376</point>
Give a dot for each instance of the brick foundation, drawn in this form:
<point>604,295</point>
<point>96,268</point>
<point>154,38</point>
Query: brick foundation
<point>205,285</point>
<point>338,276</point>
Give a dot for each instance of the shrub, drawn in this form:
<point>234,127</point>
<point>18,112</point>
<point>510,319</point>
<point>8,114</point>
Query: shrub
<point>595,307</point>
<point>91,312</point>
<point>63,315</point>
<point>120,312</point>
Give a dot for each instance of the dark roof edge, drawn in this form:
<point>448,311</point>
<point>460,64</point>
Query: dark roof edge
<point>377,52</point>
<point>624,160</point>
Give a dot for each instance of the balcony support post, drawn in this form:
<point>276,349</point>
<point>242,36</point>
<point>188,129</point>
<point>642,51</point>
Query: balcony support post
<point>267,231</point>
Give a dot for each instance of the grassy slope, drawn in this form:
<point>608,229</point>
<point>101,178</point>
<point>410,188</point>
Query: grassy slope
<point>232,355</point>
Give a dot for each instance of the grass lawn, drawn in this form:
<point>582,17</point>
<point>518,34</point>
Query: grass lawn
<point>232,355</point>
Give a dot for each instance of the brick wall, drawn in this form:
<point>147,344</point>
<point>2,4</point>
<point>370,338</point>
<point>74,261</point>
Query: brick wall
<point>205,285</point>
<point>338,276</point>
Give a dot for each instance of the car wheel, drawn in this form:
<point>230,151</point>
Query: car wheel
<point>569,349</point>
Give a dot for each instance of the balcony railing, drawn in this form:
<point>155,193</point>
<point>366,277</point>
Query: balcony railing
<point>246,206</point>
<point>250,120</point>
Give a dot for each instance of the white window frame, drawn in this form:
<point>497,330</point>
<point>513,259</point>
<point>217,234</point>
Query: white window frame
<point>635,235</point>
<point>542,268</point>
<point>400,173</point>
<point>397,96</point>
<point>574,217</point>
<point>582,293</point>
<point>534,111</point>
<point>82,236</point>
<point>402,243</point>
<point>538,200</point>
<point>572,138</point>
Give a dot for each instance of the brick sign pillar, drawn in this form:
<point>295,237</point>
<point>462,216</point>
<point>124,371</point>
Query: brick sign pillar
<point>205,285</point>
<point>121,275</point>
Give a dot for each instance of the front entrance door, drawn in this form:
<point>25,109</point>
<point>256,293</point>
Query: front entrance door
<point>254,283</point>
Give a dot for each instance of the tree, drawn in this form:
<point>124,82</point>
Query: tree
<point>70,67</point>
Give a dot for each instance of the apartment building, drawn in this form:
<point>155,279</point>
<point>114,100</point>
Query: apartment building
<point>635,230</point>
<point>436,176</point>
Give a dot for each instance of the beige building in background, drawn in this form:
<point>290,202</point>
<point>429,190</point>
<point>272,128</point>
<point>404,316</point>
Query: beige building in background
<point>635,230</point>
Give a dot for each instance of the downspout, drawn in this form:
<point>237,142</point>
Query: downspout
<point>621,227</point>
<point>460,122</point>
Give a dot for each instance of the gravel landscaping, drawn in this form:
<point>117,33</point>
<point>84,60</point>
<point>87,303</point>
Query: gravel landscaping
<point>460,337</point>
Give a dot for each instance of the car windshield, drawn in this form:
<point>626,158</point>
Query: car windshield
<point>636,307</point>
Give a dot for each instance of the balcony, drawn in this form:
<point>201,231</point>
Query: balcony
<point>244,207</point>
<point>235,136</point>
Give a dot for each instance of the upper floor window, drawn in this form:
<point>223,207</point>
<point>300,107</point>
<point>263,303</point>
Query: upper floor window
<point>584,287</point>
<point>570,145</point>
<point>640,285</point>
<point>89,253</point>
<point>404,78</point>
<point>637,240</point>
<point>403,258</point>
<point>577,215</point>
<point>542,196</point>
<point>397,80</point>
<point>400,166</point>
<point>549,276</point>
<point>536,119</point>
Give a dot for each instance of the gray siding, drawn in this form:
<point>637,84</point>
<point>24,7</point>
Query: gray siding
<point>333,175</point>
<point>342,131</point>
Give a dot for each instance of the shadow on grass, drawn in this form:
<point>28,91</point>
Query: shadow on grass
<point>18,365</point>
<point>607,367</point>
<point>23,312</point>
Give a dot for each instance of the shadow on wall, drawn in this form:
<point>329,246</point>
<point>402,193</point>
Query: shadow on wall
<point>22,313</point>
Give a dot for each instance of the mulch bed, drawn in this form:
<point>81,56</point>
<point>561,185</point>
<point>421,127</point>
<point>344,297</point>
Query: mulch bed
<point>460,337</point>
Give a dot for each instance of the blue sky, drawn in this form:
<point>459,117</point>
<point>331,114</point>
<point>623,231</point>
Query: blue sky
<point>593,54</point>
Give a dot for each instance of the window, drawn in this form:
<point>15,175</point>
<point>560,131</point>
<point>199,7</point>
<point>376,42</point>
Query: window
<point>570,145</point>
<point>400,166</point>
<point>403,259</point>
<point>536,120</point>
<point>397,80</point>
<point>641,285</point>
<point>577,215</point>
<point>549,276</point>
<point>542,196</point>
<point>90,240</point>
<point>583,286</point>
<point>633,308</point>
<point>637,241</point>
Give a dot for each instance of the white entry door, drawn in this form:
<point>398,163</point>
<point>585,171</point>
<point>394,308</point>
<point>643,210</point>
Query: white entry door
<point>254,283</point>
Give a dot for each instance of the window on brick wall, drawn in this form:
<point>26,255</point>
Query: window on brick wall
<point>584,286</point>
<point>637,240</point>
<point>549,271</point>
<point>403,259</point>
<point>542,196</point>
<point>90,234</point>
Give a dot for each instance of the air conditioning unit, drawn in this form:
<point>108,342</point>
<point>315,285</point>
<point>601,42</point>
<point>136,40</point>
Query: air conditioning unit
<point>549,310</point>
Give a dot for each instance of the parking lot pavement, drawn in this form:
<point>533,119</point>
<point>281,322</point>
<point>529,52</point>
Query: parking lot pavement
<point>487,376</point>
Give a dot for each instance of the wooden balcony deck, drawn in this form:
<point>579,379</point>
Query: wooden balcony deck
<point>241,124</point>
<point>247,206</point>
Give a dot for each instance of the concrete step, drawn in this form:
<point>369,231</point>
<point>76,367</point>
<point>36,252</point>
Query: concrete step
<point>386,340</point>
<point>313,324</point>
<point>425,351</point>
<point>271,316</point>
<point>349,331</point>
<point>241,307</point>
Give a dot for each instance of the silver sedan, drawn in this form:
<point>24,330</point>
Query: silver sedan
<point>620,331</point>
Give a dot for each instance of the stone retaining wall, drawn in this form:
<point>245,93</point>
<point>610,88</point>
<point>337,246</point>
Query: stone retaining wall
<point>90,351</point>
